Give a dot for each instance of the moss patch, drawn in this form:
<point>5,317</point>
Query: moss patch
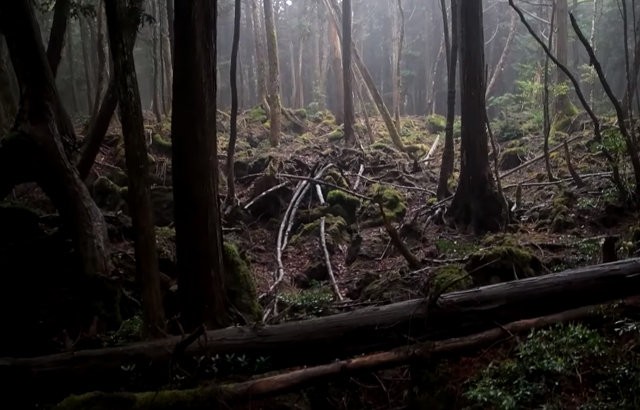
<point>502,264</point>
<point>241,288</point>
<point>450,278</point>
<point>435,123</point>
<point>349,203</point>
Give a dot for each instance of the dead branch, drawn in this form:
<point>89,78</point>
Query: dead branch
<point>262,194</point>
<point>432,149</point>
<point>574,175</point>
<point>325,251</point>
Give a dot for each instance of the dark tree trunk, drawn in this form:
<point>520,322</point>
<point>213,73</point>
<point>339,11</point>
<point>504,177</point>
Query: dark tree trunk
<point>101,64</point>
<point>123,16</point>
<point>97,130</point>
<point>72,73</point>
<point>8,103</point>
<point>347,74</point>
<point>157,65</point>
<point>336,66</point>
<point>260,57</point>
<point>562,102</point>
<point>170,17</point>
<point>58,30</point>
<point>476,202</point>
<point>86,57</point>
<point>195,167</point>
<point>446,167</point>
<point>42,157</point>
<point>233,132</point>
<point>273,92</point>
<point>167,61</point>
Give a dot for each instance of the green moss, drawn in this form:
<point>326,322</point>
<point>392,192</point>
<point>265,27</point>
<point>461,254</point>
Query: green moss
<point>450,278</point>
<point>241,288</point>
<point>161,144</point>
<point>349,203</point>
<point>435,123</point>
<point>108,195</point>
<point>416,150</point>
<point>502,264</point>
<point>393,201</point>
<point>300,113</point>
<point>336,135</point>
<point>299,304</point>
<point>512,157</point>
<point>335,227</point>
<point>256,114</point>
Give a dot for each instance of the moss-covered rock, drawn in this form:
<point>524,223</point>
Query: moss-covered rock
<point>435,123</point>
<point>450,278</point>
<point>256,114</point>
<point>349,203</point>
<point>393,204</point>
<point>161,144</point>
<point>241,287</point>
<point>502,264</point>
<point>336,135</point>
<point>108,195</point>
<point>562,217</point>
<point>335,227</point>
<point>512,157</point>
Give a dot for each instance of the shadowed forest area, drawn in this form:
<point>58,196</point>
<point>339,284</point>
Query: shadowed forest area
<point>320,204</point>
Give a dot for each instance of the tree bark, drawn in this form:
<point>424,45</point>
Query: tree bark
<point>562,102</point>
<point>273,96</point>
<point>261,72</point>
<point>336,66</point>
<point>446,166</point>
<point>56,36</point>
<point>156,85</point>
<point>8,101</point>
<point>44,159</point>
<point>347,74</point>
<point>123,16</point>
<point>195,168</point>
<point>476,203</point>
<point>101,65</point>
<point>364,330</point>
<point>167,60</point>
<point>72,73</point>
<point>233,132</point>
<point>86,57</point>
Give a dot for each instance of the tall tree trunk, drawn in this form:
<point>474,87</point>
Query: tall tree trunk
<point>347,74</point>
<point>8,100</point>
<point>233,132</point>
<point>503,56</point>
<point>261,70</point>
<point>195,167</point>
<point>476,202</point>
<point>273,96</point>
<point>333,10</point>
<point>562,102</point>
<point>170,25</point>
<point>58,30</point>
<point>44,158</point>
<point>157,64</point>
<point>299,74</point>
<point>101,54</point>
<point>318,81</point>
<point>446,167</point>
<point>398,40</point>
<point>86,57</point>
<point>122,17</point>
<point>336,64</point>
<point>167,60</point>
<point>75,105</point>
<point>292,75</point>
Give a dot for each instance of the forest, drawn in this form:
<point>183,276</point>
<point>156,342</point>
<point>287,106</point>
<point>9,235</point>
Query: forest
<point>320,204</point>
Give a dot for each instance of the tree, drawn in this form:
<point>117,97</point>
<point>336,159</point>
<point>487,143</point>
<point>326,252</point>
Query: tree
<point>233,132</point>
<point>446,167</point>
<point>476,202</point>
<point>195,167</point>
<point>273,91</point>
<point>563,106</point>
<point>34,150</point>
<point>349,137</point>
<point>123,16</point>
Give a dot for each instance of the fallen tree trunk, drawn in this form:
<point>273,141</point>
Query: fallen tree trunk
<point>365,330</point>
<point>213,396</point>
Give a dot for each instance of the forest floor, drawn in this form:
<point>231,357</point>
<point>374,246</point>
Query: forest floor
<point>555,226</point>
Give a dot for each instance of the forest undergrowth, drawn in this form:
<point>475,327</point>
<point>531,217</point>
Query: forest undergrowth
<point>555,225</point>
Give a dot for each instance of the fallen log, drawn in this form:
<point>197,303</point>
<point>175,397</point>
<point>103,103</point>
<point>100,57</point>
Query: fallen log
<point>214,396</point>
<point>360,331</point>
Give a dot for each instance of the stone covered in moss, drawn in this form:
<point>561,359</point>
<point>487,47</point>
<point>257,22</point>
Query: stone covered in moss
<point>335,227</point>
<point>393,201</point>
<point>161,144</point>
<point>435,123</point>
<point>450,278</point>
<point>256,114</point>
<point>346,202</point>
<point>512,157</point>
<point>107,194</point>
<point>502,264</point>
<point>241,288</point>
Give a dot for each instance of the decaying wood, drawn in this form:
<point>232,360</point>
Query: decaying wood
<point>287,381</point>
<point>572,171</point>
<point>360,331</point>
<point>325,251</point>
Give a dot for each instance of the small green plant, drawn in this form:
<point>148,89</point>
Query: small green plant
<point>314,301</point>
<point>551,365</point>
